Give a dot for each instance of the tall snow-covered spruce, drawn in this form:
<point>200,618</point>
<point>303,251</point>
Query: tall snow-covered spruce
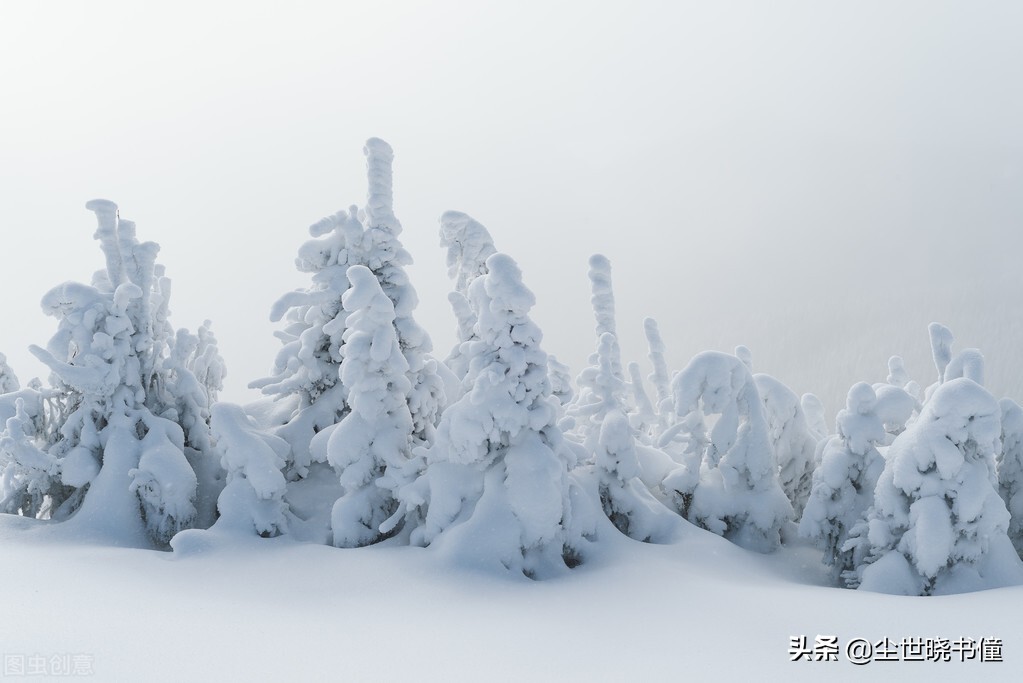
<point>125,444</point>
<point>373,443</point>
<point>306,378</point>
<point>496,489</point>
<point>602,425</point>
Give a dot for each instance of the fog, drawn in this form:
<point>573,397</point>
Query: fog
<point>815,180</point>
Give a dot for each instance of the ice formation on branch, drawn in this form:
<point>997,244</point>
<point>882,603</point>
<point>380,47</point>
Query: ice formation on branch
<point>938,524</point>
<point>127,423</point>
<point>729,482</point>
<point>495,489</point>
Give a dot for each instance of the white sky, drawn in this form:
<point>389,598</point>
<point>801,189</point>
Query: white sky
<point>816,180</point>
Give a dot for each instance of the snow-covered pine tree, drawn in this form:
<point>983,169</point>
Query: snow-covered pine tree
<point>843,482</point>
<point>8,380</point>
<point>495,489</point>
<point>253,499</point>
<point>623,496</point>
<point>938,524</point>
<point>660,378</point>
<point>1010,468</point>
<point>468,245</point>
<point>603,300</point>
<point>126,429</point>
<point>729,482</point>
<point>813,409</point>
<point>561,380</point>
<point>941,350</point>
<point>793,444</point>
<point>385,256</point>
<point>306,374</point>
<point>896,408</point>
<point>373,443</point>
<point>897,374</point>
<point>305,380</point>
<point>31,477</point>
<point>644,417</point>
<point>590,405</point>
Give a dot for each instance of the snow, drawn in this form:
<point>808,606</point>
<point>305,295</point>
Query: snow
<point>594,534</point>
<point>701,603</point>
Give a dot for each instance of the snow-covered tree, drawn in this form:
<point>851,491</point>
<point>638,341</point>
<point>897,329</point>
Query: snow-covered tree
<point>1010,468</point>
<point>897,374</point>
<point>644,416</point>
<point>386,258</point>
<point>938,524</point>
<point>729,481</point>
<point>8,380</point>
<point>660,379</point>
<point>31,476</point>
<point>253,499</point>
<point>306,374</point>
<point>373,443</point>
<point>596,382</point>
<point>305,380</point>
<point>495,489</point>
<point>941,347</point>
<point>813,409</point>
<point>468,246</point>
<point>126,425</point>
<point>793,444</point>
<point>561,380</point>
<point>744,354</point>
<point>896,408</point>
<point>843,483</point>
<point>603,300</point>
<point>624,498</point>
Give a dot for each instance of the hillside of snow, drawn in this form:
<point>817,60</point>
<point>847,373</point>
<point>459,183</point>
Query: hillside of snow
<point>698,608</point>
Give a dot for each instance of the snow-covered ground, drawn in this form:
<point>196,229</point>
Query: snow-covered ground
<point>697,609</point>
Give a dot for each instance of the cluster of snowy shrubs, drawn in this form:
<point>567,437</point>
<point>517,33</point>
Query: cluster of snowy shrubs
<point>493,454</point>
